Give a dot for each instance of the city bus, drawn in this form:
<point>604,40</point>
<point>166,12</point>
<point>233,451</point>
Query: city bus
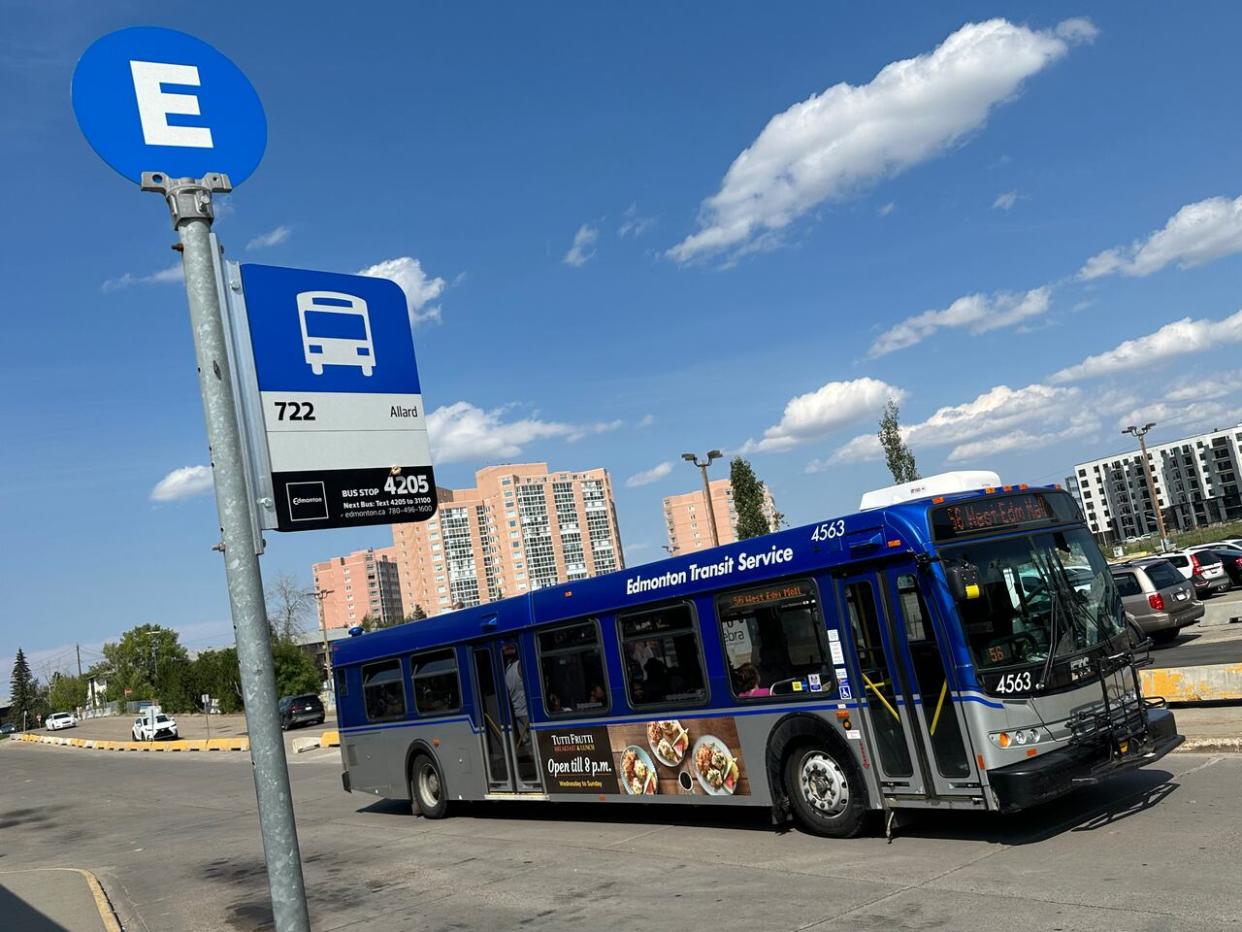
<point>951,648</point>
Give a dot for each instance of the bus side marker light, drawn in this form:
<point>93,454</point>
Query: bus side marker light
<point>893,543</point>
<point>938,500</point>
<point>435,742</point>
<point>842,714</point>
<point>988,491</point>
<point>1031,752</point>
<point>979,761</point>
<point>569,594</point>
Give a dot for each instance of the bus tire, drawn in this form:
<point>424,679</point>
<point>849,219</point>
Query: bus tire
<point>427,793</point>
<point>825,791</point>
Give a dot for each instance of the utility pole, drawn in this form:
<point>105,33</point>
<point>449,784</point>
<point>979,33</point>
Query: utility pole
<point>707,488</point>
<point>1141,434</point>
<point>320,595</point>
<point>78,650</point>
<point>189,202</point>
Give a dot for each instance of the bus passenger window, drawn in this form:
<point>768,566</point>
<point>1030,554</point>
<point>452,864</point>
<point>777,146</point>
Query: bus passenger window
<point>436,687</point>
<point>571,664</point>
<point>775,643</point>
<point>662,657</point>
<point>383,694</point>
<point>342,685</point>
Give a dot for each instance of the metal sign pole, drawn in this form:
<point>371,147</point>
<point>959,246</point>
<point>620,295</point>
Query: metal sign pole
<point>189,201</point>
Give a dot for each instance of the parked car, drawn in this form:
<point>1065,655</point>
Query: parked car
<point>1231,559</point>
<point>58,720</point>
<point>1204,569</point>
<point>7,728</point>
<point>1156,597</point>
<point>153,726</point>
<point>300,710</point>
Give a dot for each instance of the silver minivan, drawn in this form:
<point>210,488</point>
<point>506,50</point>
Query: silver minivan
<point>1159,599</point>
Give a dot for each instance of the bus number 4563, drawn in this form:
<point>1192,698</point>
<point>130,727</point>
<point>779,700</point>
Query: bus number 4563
<point>1014,683</point>
<point>829,530</point>
<point>407,485</point>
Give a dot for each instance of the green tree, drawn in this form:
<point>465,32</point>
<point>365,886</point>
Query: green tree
<point>750,501</point>
<point>217,673</point>
<point>150,662</point>
<point>417,615</point>
<point>66,693</point>
<point>899,457</point>
<point>296,672</point>
<point>23,693</point>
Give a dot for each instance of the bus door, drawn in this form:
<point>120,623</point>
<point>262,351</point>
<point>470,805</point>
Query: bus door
<point>508,745</point>
<point>881,693</point>
<point>926,660</point>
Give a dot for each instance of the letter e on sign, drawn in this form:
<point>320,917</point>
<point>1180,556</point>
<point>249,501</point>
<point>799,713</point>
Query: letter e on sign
<point>158,100</point>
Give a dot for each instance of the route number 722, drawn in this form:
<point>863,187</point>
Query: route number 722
<point>829,530</point>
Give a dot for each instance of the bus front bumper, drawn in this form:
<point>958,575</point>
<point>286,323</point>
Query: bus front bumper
<point>1039,779</point>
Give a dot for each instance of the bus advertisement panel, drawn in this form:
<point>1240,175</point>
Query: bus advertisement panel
<point>694,757</point>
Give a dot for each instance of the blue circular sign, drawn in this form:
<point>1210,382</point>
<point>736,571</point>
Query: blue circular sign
<point>158,100</point>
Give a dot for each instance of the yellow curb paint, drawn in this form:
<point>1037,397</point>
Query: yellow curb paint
<point>107,915</point>
<point>330,739</point>
<point>1208,683</point>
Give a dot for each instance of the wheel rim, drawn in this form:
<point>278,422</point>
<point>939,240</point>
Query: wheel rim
<point>429,784</point>
<point>823,783</point>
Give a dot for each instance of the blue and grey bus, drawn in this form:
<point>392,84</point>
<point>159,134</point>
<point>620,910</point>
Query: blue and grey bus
<point>955,648</point>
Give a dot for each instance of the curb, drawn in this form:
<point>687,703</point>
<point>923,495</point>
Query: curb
<point>107,915</point>
<point>1210,745</point>
<point>1218,682</point>
<point>329,739</point>
<point>197,744</point>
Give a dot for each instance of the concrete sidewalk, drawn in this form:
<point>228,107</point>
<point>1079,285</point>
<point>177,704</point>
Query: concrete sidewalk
<point>1210,728</point>
<point>52,899</point>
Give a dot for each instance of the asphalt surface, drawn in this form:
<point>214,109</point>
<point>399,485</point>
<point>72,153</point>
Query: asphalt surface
<point>1216,639</point>
<point>174,839</point>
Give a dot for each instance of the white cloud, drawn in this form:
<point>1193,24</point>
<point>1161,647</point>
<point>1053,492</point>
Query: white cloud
<point>996,412</point>
<point>978,313</point>
<point>1005,201</point>
<point>1197,234</point>
<point>1194,415</point>
<point>462,431</point>
<point>838,141</point>
<point>166,276</point>
<point>885,209</point>
<point>1205,388</point>
<point>1179,338</point>
<point>1021,439</point>
<point>818,413</point>
<point>270,238</point>
<point>634,224</point>
<point>581,252</point>
<point>1077,30</point>
<point>185,482</point>
<point>648,476</point>
<point>420,290</point>
<point>647,420</point>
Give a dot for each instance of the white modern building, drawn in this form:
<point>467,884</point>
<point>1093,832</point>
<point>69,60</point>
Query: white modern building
<point>1198,481</point>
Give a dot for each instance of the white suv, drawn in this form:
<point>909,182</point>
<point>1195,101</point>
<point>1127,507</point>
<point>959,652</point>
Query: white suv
<point>1204,569</point>
<point>58,720</point>
<point>152,726</point>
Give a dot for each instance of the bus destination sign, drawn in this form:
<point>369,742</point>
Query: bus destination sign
<point>999,513</point>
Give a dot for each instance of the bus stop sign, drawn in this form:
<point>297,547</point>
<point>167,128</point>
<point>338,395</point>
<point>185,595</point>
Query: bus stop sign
<point>336,396</point>
<point>158,100</point>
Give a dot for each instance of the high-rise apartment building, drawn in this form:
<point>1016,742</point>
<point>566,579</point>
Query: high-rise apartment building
<point>520,528</point>
<point>363,584</point>
<point>1196,479</point>
<point>689,525</point>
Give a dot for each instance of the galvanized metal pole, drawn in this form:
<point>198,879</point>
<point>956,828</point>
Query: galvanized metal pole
<point>189,200</point>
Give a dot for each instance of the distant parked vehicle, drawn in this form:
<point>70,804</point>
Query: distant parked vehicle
<point>58,720</point>
<point>1231,559</point>
<point>153,726</point>
<point>301,710</point>
<point>1204,569</point>
<point>1156,597</point>
<point>7,728</point>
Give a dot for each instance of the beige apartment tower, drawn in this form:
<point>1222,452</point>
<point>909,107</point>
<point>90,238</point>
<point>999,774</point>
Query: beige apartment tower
<point>689,526</point>
<point>520,528</point>
<point>363,584</point>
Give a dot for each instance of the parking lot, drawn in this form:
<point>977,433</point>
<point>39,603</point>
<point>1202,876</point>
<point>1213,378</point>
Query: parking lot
<point>174,839</point>
<point>1216,639</point>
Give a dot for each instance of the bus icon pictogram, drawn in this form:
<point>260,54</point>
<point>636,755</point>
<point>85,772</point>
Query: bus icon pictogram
<point>336,331</point>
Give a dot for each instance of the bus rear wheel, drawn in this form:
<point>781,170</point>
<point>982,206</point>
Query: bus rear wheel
<point>427,789</point>
<point>825,792</point>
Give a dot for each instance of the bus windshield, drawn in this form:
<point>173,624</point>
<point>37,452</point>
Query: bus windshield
<point>1040,592</point>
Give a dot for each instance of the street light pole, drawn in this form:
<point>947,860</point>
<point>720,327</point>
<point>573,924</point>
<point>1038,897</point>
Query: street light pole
<point>707,488</point>
<point>320,595</point>
<point>1141,434</point>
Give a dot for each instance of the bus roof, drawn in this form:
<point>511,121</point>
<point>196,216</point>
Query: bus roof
<point>893,529</point>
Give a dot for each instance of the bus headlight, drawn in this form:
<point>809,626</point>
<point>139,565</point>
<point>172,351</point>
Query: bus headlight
<point>1019,737</point>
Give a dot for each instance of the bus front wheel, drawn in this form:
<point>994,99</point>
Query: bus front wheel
<point>825,792</point>
<point>427,789</point>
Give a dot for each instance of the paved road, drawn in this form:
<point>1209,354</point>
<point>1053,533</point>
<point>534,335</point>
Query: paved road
<point>175,840</point>
<point>1214,640</point>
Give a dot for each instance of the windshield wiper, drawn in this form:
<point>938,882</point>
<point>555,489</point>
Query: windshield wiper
<point>1052,641</point>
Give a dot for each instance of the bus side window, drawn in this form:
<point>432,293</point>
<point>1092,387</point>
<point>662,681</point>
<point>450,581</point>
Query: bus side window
<point>571,670</point>
<point>662,656</point>
<point>437,690</point>
<point>383,693</point>
<point>342,684</point>
<point>775,642</point>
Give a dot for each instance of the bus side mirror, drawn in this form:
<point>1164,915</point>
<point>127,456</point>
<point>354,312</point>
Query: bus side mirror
<point>964,582</point>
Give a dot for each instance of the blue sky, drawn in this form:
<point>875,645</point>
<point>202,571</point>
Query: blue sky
<point>627,232</point>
